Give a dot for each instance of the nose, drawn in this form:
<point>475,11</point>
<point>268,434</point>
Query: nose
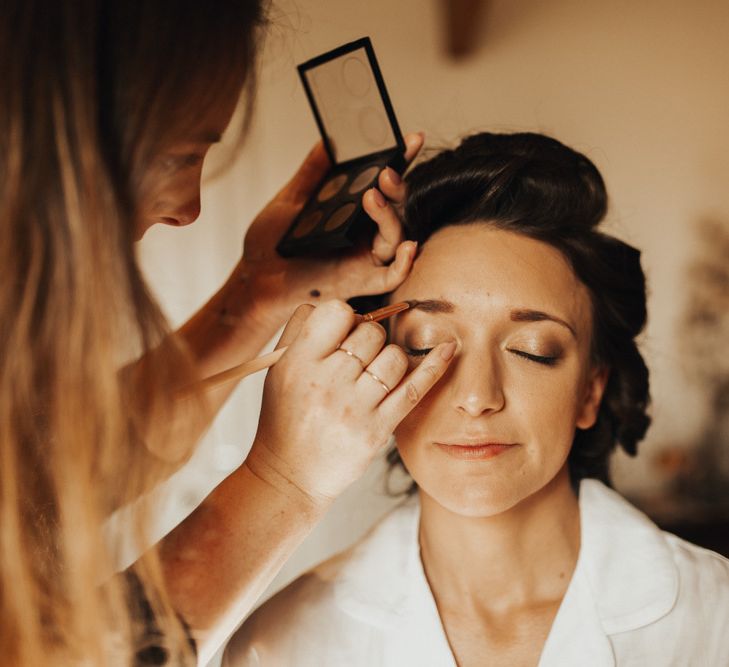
<point>189,212</point>
<point>477,385</point>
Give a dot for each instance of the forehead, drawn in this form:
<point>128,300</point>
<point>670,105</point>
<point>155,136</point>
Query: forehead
<point>479,268</point>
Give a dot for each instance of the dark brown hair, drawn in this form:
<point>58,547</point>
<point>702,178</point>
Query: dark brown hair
<point>534,185</point>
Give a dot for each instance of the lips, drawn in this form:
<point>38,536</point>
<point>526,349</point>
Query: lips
<point>475,451</point>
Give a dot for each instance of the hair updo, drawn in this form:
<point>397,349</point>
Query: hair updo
<point>533,185</point>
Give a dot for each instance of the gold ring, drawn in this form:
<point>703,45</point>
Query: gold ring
<point>376,379</point>
<point>353,355</point>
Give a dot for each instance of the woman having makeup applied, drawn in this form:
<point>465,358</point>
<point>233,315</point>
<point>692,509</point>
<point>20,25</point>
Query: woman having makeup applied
<point>512,548</point>
<point>109,110</point>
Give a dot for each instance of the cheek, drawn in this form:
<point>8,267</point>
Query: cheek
<point>431,409</point>
<point>546,413</point>
<point>419,427</point>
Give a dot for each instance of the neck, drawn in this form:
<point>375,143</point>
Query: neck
<point>518,557</point>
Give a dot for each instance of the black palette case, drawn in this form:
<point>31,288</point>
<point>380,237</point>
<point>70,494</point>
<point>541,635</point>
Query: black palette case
<point>361,135</point>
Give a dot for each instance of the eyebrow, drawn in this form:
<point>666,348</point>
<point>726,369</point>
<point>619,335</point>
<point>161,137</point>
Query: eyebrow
<point>432,306</point>
<point>526,315</point>
<point>517,315</point>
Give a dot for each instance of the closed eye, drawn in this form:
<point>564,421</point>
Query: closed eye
<point>191,160</point>
<point>179,162</point>
<point>539,359</point>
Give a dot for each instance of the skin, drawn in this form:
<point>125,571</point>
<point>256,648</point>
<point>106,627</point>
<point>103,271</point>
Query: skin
<point>515,513</point>
<point>323,419</point>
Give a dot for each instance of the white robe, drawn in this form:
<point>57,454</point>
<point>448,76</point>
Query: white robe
<point>638,597</point>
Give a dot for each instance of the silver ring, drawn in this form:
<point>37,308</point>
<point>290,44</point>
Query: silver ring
<point>376,379</point>
<point>353,355</point>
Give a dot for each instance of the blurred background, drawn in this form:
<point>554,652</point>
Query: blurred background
<point>640,87</point>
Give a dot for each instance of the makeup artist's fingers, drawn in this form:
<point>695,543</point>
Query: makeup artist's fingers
<point>293,326</point>
<point>391,185</point>
<point>358,349</point>
<point>323,330</point>
<point>413,143</point>
<point>384,202</point>
<point>382,375</point>
<point>388,278</point>
<point>389,229</point>
<point>411,390</point>
<point>389,181</point>
<point>308,175</point>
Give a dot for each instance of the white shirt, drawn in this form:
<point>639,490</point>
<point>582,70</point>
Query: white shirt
<point>638,597</point>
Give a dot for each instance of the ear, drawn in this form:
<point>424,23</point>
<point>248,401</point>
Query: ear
<point>594,389</point>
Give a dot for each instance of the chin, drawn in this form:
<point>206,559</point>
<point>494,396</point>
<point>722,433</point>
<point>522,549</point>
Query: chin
<point>474,499</point>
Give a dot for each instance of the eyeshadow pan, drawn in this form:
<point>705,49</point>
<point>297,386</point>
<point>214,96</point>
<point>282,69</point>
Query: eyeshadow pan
<point>331,187</point>
<point>363,180</point>
<point>307,224</point>
<point>339,217</point>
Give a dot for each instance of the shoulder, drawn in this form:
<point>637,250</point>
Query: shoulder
<point>330,608</point>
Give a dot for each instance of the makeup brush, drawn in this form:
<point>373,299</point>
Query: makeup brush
<point>268,360</point>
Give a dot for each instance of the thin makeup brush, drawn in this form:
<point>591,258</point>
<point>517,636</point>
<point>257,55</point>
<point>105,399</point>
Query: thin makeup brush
<point>268,360</point>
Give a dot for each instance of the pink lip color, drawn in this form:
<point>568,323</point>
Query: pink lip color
<point>479,452</point>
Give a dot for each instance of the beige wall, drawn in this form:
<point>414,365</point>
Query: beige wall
<point>640,86</point>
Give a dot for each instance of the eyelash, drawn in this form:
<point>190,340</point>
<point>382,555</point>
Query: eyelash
<point>177,162</point>
<point>536,358</point>
<point>191,160</point>
<point>545,361</point>
<point>415,352</point>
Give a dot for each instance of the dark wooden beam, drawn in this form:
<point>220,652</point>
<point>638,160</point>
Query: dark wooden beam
<point>462,25</point>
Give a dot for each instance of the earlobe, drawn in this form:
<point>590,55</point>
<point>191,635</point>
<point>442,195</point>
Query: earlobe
<point>587,416</point>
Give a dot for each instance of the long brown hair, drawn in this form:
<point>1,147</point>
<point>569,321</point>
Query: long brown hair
<point>92,92</point>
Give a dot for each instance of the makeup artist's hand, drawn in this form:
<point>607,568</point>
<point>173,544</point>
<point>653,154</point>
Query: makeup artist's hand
<point>325,416</point>
<point>279,284</point>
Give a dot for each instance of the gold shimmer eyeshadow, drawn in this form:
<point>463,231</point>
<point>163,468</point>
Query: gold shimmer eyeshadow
<point>363,180</point>
<point>308,224</point>
<point>339,217</point>
<point>331,187</point>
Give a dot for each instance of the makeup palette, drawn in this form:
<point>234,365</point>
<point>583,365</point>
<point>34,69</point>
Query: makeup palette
<point>360,133</point>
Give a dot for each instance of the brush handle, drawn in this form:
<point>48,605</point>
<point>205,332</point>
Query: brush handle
<point>268,360</point>
<point>240,371</point>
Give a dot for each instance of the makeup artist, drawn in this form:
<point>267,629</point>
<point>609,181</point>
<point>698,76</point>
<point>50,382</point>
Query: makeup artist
<point>108,111</point>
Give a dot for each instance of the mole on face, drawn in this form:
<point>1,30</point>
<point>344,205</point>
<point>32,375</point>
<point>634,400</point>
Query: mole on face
<point>315,293</point>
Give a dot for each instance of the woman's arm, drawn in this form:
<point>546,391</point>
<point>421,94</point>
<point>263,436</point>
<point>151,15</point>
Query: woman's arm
<point>217,339</point>
<point>322,422</point>
<point>221,559</point>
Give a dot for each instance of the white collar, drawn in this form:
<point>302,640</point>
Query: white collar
<point>624,562</point>
<point>626,559</point>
